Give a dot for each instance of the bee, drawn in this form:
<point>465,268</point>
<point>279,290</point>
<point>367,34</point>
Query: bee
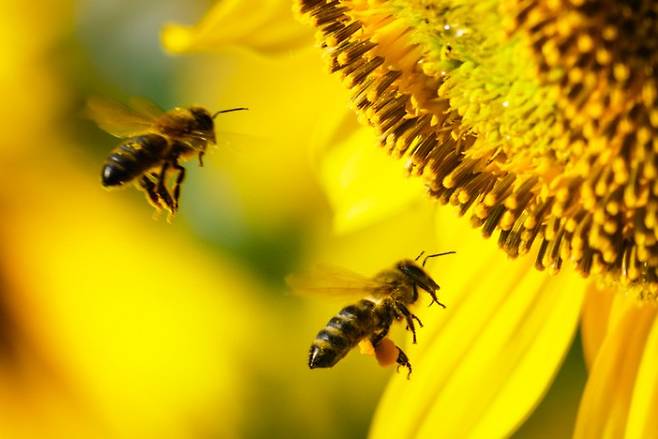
<point>388,296</point>
<point>154,144</point>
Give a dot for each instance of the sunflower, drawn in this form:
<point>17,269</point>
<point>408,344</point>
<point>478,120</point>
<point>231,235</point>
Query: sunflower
<point>537,120</point>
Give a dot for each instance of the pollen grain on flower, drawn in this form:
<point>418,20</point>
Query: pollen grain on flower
<point>537,118</point>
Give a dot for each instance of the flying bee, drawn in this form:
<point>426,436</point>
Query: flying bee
<point>388,295</point>
<point>154,144</point>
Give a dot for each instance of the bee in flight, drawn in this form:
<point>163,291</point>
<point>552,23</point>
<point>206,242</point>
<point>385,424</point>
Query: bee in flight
<point>154,143</point>
<point>388,295</point>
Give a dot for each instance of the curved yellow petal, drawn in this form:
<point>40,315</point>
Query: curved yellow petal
<point>642,419</point>
<point>482,364</point>
<point>604,408</point>
<point>594,323</point>
<point>264,159</point>
<point>362,183</point>
<point>364,251</point>
<point>28,74</point>
<point>267,26</point>
<point>138,335</point>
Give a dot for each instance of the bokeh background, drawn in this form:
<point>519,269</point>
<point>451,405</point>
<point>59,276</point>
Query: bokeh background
<point>114,323</point>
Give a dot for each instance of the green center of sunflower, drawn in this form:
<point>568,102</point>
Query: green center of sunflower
<point>538,118</point>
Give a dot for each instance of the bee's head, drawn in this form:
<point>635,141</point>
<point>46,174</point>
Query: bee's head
<point>419,277</point>
<point>203,122</point>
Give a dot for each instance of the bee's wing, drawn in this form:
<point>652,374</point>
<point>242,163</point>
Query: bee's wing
<point>331,281</point>
<point>117,119</point>
<point>145,107</point>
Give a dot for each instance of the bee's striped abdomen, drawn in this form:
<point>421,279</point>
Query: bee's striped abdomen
<point>132,158</point>
<point>341,334</point>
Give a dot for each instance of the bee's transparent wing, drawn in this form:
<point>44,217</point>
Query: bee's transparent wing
<point>145,107</point>
<point>117,119</point>
<point>331,281</point>
<point>237,144</point>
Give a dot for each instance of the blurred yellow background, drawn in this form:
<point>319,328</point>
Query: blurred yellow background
<point>116,324</point>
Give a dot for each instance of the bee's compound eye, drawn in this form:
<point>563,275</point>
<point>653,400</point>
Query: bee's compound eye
<point>203,118</point>
<point>113,175</point>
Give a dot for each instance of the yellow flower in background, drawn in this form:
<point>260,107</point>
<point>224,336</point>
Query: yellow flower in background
<point>106,332</point>
<point>116,325</point>
<point>23,63</point>
<point>268,28</point>
<point>538,119</point>
<point>133,350</point>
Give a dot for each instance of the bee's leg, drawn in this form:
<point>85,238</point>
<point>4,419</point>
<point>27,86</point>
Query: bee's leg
<point>413,316</point>
<point>162,189</point>
<point>379,336</point>
<point>179,181</point>
<point>384,326</point>
<point>434,298</point>
<point>409,318</point>
<point>147,185</point>
<point>403,360</point>
<point>201,153</point>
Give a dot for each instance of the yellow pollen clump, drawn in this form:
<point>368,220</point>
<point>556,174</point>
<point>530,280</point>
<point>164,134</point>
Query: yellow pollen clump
<point>537,117</point>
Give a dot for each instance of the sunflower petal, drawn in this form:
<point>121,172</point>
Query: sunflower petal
<point>594,325</point>
<point>132,331</point>
<point>279,94</point>
<point>267,26</point>
<point>604,409</point>
<point>515,320</point>
<point>363,184</point>
<point>642,420</point>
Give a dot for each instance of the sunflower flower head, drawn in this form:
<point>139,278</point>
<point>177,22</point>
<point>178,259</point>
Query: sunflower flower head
<point>538,119</point>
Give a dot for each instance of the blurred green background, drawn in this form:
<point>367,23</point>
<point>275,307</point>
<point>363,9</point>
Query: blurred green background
<point>118,325</point>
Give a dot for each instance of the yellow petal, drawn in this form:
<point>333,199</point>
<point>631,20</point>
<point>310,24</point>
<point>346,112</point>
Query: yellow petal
<point>407,234</point>
<point>642,419</point>
<point>139,336</point>
<point>28,74</point>
<point>481,365</point>
<point>594,326</point>
<point>363,184</point>
<point>264,160</point>
<point>605,405</point>
<point>267,26</point>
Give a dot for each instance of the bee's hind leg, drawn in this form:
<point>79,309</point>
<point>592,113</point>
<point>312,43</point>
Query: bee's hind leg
<point>378,336</point>
<point>149,187</point>
<point>162,190</point>
<point>403,361</point>
<point>179,181</point>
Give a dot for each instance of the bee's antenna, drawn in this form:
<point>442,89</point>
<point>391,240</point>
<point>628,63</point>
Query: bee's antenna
<point>452,252</point>
<point>229,111</point>
<point>421,254</point>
